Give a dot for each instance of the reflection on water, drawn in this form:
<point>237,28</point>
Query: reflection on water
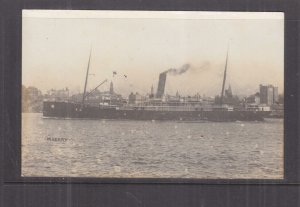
<point>111,148</point>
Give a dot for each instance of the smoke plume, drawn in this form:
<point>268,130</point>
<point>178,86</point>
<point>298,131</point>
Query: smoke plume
<point>178,71</point>
<point>205,66</point>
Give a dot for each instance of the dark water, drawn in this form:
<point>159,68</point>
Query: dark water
<point>98,148</point>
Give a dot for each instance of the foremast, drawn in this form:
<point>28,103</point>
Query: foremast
<point>86,79</point>
<point>224,79</point>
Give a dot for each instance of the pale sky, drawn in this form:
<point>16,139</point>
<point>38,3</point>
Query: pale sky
<point>56,47</point>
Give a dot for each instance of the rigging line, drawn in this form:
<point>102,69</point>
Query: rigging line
<point>95,88</point>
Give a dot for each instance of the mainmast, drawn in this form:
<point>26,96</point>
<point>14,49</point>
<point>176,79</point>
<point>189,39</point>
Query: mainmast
<point>86,79</point>
<point>224,79</point>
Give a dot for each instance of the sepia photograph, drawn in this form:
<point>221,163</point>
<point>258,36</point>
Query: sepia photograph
<point>152,94</point>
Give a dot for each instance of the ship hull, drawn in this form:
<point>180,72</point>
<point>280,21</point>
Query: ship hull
<point>73,110</point>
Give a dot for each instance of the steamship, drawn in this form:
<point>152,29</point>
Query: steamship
<point>156,107</point>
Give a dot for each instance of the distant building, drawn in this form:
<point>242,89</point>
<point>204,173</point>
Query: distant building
<point>32,99</point>
<point>111,88</point>
<point>228,98</point>
<point>275,95</point>
<point>106,97</point>
<point>228,92</point>
<point>268,94</point>
<point>135,98</point>
<point>97,97</point>
<point>253,99</point>
<point>281,99</point>
<point>151,92</point>
<point>58,95</point>
<point>131,98</point>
